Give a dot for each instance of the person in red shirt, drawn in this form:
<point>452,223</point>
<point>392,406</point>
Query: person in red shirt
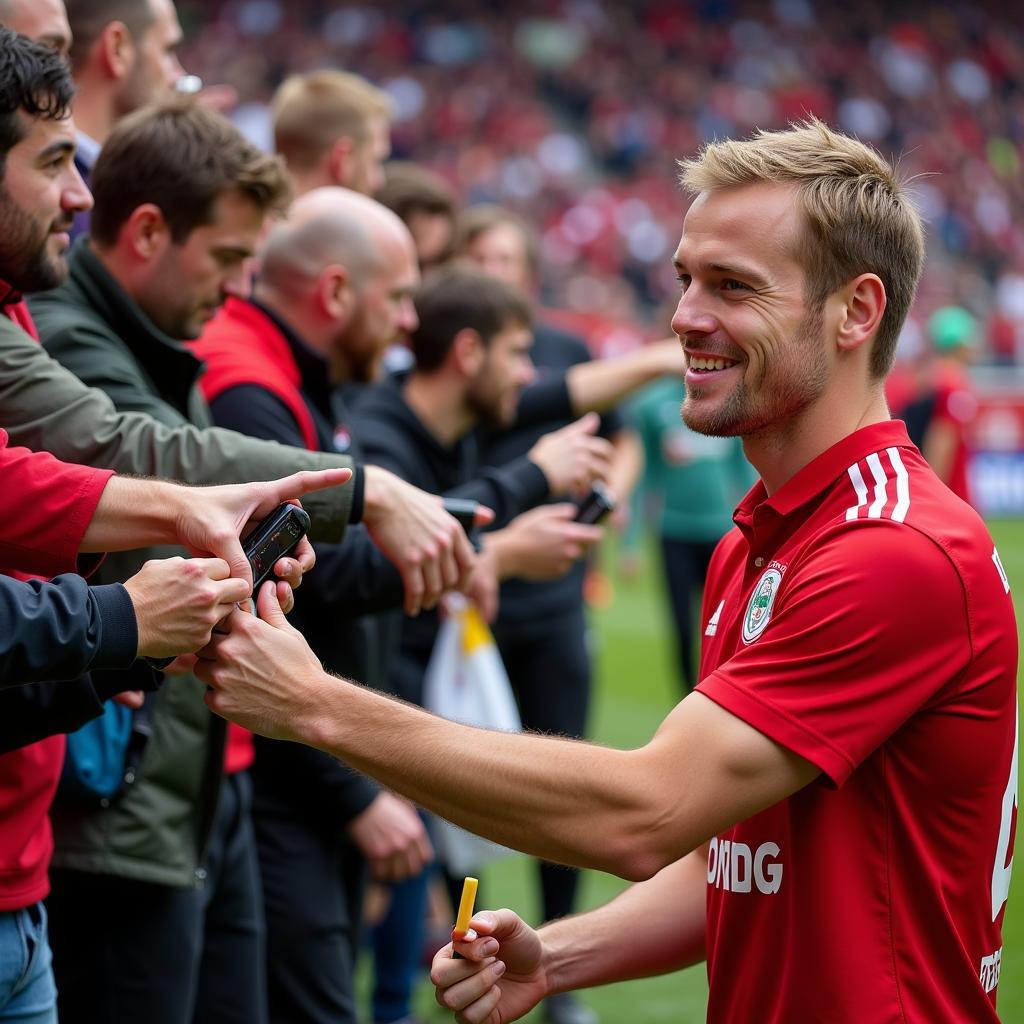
<point>828,819</point>
<point>953,333</point>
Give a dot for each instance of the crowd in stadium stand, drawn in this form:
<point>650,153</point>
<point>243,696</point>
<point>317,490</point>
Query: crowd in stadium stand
<point>573,113</point>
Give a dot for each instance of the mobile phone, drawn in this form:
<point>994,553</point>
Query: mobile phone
<point>596,505</point>
<point>274,538</point>
<point>465,510</point>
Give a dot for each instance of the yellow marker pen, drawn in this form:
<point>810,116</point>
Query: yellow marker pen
<point>465,915</point>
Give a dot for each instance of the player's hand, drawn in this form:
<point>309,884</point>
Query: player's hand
<point>210,520</point>
<point>572,458</point>
<point>178,601</point>
<point>502,976</point>
<point>427,545</point>
<point>261,672</point>
<point>392,837</point>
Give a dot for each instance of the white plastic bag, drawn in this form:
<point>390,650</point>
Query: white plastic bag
<point>467,682</point>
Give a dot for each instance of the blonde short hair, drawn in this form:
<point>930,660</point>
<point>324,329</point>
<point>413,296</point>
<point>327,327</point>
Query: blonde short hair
<point>858,217</point>
<point>312,111</point>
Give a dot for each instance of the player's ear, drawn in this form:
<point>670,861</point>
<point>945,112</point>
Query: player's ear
<point>861,304</point>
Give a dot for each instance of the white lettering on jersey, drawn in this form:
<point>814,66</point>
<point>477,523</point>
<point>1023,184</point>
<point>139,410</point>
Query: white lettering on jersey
<point>1001,870</point>
<point>990,967</point>
<point>713,621</point>
<point>734,867</point>
<point>997,562</point>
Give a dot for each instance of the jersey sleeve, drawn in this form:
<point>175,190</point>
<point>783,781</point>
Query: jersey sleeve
<point>871,627</point>
<point>46,506</point>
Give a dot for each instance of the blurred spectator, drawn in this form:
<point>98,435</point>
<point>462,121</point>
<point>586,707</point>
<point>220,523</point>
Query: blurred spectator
<point>953,332</point>
<point>333,128</point>
<point>472,361</point>
<point>574,113</point>
<point>692,484</point>
<point>123,56</point>
<point>426,205</point>
<point>44,21</point>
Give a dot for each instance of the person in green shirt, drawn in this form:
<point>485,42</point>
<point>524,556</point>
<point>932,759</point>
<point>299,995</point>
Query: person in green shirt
<point>691,484</point>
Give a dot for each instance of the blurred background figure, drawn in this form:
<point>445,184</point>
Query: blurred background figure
<point>690,486</point>
<point>124,54</point>
<point>333,128</point>
<point>43,21</point>
<point>954,334</point>
<point>427,205</point>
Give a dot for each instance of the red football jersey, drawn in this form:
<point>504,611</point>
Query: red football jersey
<point>861,618</point>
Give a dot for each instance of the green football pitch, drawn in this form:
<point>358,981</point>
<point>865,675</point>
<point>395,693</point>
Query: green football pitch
<point>636,687</point>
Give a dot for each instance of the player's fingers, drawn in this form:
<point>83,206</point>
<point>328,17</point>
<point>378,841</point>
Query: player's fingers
<point>285,596</point>
<point>473,997</point>
<point>289,570</point>
<point>483,1010</point>
<point>449,976</point>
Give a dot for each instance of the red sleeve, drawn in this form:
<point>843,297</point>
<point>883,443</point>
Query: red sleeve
<point>45,508</point>
<point>867,630</point>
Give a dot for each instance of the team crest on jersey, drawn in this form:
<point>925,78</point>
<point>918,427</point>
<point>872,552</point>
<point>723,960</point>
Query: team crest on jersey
<point>759,607</point>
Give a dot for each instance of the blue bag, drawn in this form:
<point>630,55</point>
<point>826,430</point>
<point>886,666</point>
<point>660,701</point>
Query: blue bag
<point>104,755</point>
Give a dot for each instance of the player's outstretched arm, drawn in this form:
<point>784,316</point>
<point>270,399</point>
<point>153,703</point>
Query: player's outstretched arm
<point>702,772</point>
<point>652,928</point>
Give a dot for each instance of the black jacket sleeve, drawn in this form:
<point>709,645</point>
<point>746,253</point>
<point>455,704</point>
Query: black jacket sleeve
<point>55,631</point>
<point>507,490</point>
<point>60,629</point>
<point>546,400</point>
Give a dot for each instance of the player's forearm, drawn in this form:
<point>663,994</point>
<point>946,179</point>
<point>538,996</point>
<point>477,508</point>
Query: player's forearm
<point>135,513</point>
<point>598,385</point>
<point>544,796</point>
<point>654,927</point>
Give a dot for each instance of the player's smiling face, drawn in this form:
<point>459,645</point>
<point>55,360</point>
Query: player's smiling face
<point>755,353</point>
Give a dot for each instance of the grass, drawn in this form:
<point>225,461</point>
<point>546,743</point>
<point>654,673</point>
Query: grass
<point>635,688</point>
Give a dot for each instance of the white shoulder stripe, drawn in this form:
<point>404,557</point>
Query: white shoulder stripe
<point>875,465</point>
<point>881,476</point>
<point>857,479</point>
<point>899,513</point>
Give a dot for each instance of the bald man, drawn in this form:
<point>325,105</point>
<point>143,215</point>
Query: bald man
<point>334,291</point>
<point>44,21</point>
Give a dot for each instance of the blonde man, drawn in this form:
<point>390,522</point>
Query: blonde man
<point>333,128</point>
<point>828,818</point>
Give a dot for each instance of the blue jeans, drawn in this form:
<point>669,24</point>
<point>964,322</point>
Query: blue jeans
<point>28,994</point>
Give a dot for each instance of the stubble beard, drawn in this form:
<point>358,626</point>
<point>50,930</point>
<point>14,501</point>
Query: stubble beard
<point>25,263</point>
<point>742,414</point>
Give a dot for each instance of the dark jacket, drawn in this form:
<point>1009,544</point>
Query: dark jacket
<point>395,438</point>
<point>156,830</point>
<point>50,633</point>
